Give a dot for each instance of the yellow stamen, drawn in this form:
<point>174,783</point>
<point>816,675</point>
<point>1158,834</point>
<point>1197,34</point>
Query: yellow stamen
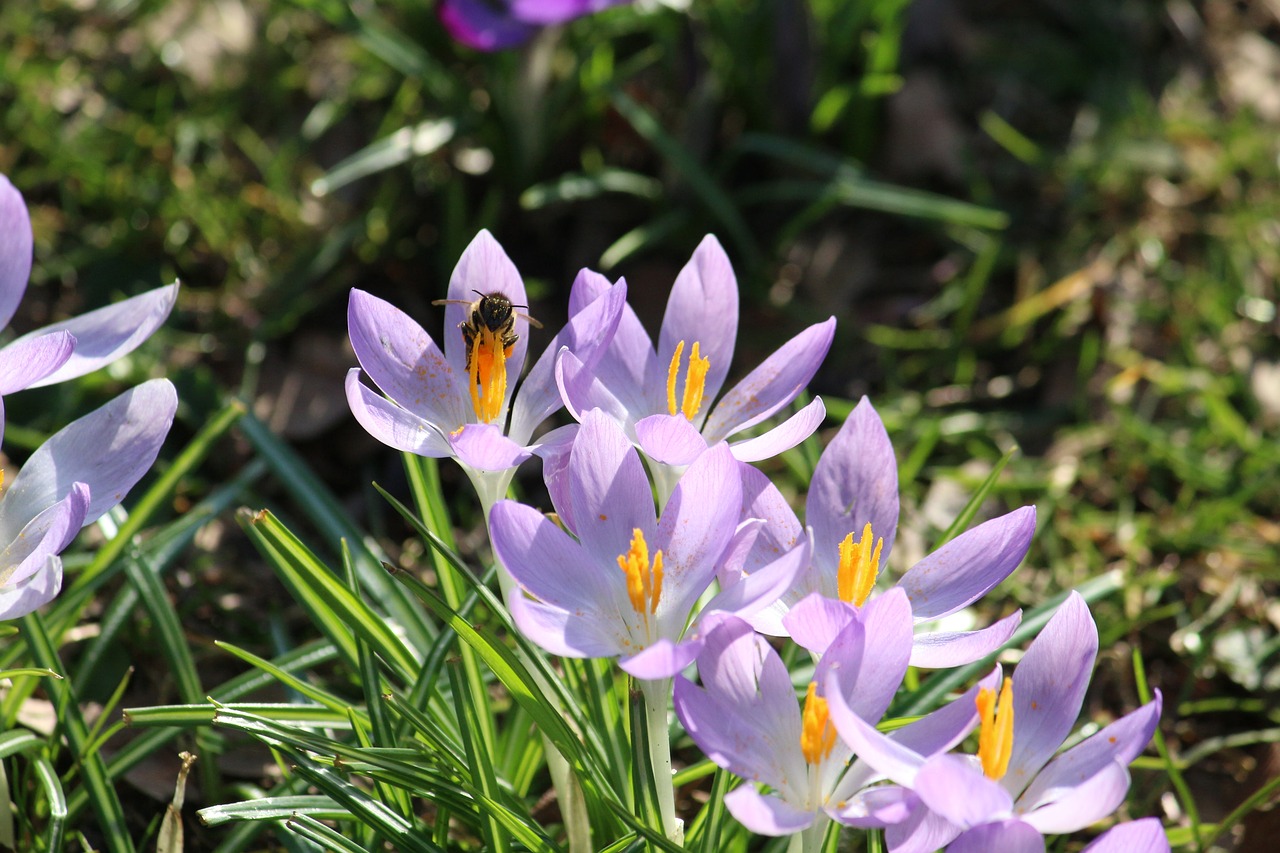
<point>859,566</point>
<point>995,737</point>
<point>695,381</point>
<point>487,375</point>
<point>817,734</point>
<point>644,579</point>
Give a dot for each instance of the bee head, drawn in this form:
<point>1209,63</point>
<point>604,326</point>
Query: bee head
<point>495,310</point>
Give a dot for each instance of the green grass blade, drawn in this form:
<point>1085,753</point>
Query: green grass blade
<point>975,502</point>
<point>56,799</point>
<point>479,754</point>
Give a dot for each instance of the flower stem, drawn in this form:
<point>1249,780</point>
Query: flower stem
<point>657,695</point>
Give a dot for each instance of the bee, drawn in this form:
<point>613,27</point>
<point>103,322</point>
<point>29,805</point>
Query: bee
<point>491,316</point>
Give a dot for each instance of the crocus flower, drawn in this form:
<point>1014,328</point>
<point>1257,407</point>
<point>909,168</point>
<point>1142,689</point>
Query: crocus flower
<point>745,716</point>
<point>70,348</point>
<point>1011,794</point>
<point>852,515</point>
<point>82,471</point>
<point>663,397</point>
<point>627,585</point>
<point>456,402</point>
<point>501,24</point>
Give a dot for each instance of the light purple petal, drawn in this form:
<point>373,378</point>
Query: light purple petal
<point>555,449</point>
<point>894,760</point>
<point>628,367</point>
<point>945,649</point>
<point>26,361</point>
<point>556,570</point>
<point>816,620</point>
<point>484,448</point>
<point>969,566</point>
<point>661,659</point>
<point>765,815</point>
<point>762,587</point>
<point>561,632</point>
<point>1139,836</point>
<point>669,439</point>
<point>586,335</point>
<point>582,391</point>
<point>392,425</point>
<point>703,307</point>
<point>1116,745</point>
<point>855,482</point>
<point>745,718</point>
<point>694,530</point>
<point>880,652</point>
<point>481,26</point>
<point>872,808</point>
<point>955,787</point>
<point>108,450</point>
<point>587,287</point>
<point>609,491</point>
<point>773,384</point>
<point>405,363</point>
<point>106,334</point>
<point>43,537</point>
<point>923,832</point>
<point>1048,689</point>
<point>782,531</point>
<point>15,249</point>
<point>1070,808</point>
<point>784,436</point>
<point>1010,836</point>
<point>36,591</point>
<point>484,269</point>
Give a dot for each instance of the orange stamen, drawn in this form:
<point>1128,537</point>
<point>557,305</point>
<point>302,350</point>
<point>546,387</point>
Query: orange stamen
<point>817,734</point>
<point>487,375</point>
<point>859,566</point>
<point>695,381</point>
<point>995,737</point>
<point>644,579</point>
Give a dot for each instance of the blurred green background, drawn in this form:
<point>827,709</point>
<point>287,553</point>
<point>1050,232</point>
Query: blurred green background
<point>1046,225</point>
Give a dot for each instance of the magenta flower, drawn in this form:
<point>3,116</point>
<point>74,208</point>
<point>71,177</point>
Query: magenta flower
<point>500,24</point>
<point>71,348</point>
<point>1010,794</point>
<point>663,396</point>
<point>460,402</point>
<point>852,514</point>
<point>628,584</point>
<point>745,717</point>
<point>82,471</point>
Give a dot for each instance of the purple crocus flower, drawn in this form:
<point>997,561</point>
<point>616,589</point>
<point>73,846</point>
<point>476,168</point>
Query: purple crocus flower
<point>500,24</point>
<point>1011,794</point>
<point>746,719</point>
<point>627,585</point>
<point>438,404</point>
<point>852,514</point>
<point>71,348</point>
<point>663,396</point>
<point>82,471</point>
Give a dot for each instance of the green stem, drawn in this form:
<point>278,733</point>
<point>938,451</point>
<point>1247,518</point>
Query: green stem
<point>657,695</point>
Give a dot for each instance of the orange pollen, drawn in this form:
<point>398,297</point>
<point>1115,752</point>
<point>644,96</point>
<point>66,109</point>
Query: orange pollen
<point>487,375</point>
<point>644,579</point>
<point>995,735</point>
<point>817,734</point>
<point>859,566</point>
<point>695,381</point>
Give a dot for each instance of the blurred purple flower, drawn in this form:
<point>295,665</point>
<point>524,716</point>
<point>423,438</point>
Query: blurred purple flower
<point>628,584</point>
<point>1138,836</point>
<point>1010,794</point>
<point>432,406</point>
<point>82,471</point>
<point>71,348</point>
<point>852,515</point>
<point>501,24</point>
<point>663,396</point>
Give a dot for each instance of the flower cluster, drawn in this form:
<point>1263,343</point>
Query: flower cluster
<point>669,550</point>
<point>87,467</point>
<point>502,24</point>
